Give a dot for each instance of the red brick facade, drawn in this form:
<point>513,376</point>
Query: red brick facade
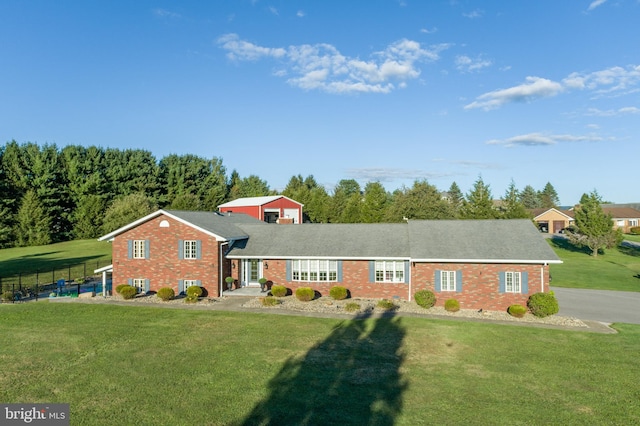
<point>164,268</point>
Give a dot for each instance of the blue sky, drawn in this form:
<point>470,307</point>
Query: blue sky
<point>377,90</point>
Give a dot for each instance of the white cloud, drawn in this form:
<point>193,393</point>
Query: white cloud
<point>540,139</point>
<point>163,13</point>
<point>595,3</point>
<point>383,174</point>
<point>323,67</point>
<point>429,31</point>
<point>300,14</point>
<point>610,81</point>
<point>613,112</point>
<point>474,14</point>
<point>466,64</point>
<point>273,10</point>
<point>533,88</point>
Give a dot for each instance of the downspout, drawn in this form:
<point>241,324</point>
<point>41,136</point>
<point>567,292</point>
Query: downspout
<point>542,277</point>
<point>220,278</point>
<point>410,279</point>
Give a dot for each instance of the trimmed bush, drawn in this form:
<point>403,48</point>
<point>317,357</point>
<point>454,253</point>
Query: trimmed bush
<point>543,304</point>
<point>120,287</point>
<point>166,293</point>
<point>194,290</point>
<point>517,311</point>
<point>128,292</point>
<point>269,301</point>
<point>451,305</point>
<point>425,298</point>
<point>305,294</point>
<point>386,304</point>
<point>278,290</point>
<point>338,292</point>
<point>191,299</point>
<point>352,307</point>
<point>634,230</point>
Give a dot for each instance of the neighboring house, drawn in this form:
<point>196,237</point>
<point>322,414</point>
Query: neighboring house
<point>270,209</point>
<point>555,220</point>
<point>552,220</point>
<point>484,264</point>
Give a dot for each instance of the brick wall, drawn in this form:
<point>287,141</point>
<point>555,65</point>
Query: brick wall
<point>480,283</point>
<point>163,268</point>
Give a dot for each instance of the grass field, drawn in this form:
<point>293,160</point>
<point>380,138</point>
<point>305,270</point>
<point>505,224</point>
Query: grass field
<point>616,269</point>
<point>148,366</point>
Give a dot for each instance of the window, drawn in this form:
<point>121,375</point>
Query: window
<point>633,222</point>
<point>447,280</point>
<point>314,270</point>
<point>620,222</point>
<point>512,282</point>
<point>139,284</point>
<point>190,250</point>
<point>189,283</point>
<point>139,249</point>
<point>389,271</point>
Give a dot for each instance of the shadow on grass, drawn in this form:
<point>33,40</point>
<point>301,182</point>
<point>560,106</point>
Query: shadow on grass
<point>629,249</point>
<point>350,378</point>
<point>565,244</point>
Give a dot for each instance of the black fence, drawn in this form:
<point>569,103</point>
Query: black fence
<point>33,284</point>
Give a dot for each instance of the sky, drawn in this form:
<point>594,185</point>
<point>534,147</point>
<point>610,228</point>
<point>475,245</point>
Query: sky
<point>388,91</point>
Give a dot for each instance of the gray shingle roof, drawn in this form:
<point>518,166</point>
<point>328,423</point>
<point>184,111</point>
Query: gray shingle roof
<point>486,240</point>
<point>345,241</point>
<point>223,224</point>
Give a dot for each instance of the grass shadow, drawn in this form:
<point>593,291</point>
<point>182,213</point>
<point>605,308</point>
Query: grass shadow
<point>564,244</point>
<point>629,249</point>
<point>350,378</point>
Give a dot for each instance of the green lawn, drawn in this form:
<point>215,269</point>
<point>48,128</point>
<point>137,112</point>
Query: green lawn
<point>635,238</point>
<point>29,259</point>
<point>149,366</point>
<point>616,269</point>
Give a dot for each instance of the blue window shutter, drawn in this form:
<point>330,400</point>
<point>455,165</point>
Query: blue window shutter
<point>180,286</point>
<point>130,281</point>
<point>503,281</point>
<point>339,271</point>
<point>372,271</point>
<point>407,271</point>
<point>198,249</point>
<point>288,266</point>
<point>436,281</point>
<point>180,249</point>
<point>199,283</point>
<point>459,281</point>
<point>147,286</point>
<point>525,283</point>
<point>130,249</point>
<point>146,249</point>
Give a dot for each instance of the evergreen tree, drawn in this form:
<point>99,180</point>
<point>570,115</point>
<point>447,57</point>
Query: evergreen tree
<point>530,198</point>
<point>127,209</point>
<point>374,204</point>
<point>352,212</point>
<point>478,203</point>
<point>512,207</point>
<point>341,195</point>
<point>33,222</point>
<point>594,226</point>
<point>549,197</point>
<point>455,198</point>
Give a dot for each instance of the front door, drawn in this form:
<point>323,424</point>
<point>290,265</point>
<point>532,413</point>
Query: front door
<point>252,272</point>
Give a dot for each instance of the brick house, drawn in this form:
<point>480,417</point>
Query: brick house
<point>270,209</point>
<point>488,264</point>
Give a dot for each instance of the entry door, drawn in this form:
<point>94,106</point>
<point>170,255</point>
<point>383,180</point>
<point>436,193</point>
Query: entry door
<point>252,272</point>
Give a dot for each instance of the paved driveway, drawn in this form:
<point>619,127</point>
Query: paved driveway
<point>599,305</point>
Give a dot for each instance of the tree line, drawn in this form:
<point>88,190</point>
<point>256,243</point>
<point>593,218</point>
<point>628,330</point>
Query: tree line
<point>48,194</point>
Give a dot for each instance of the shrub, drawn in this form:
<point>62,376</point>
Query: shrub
<point>278,290</point>
<point>352,307</point>
<point>517,311</point>
<point>269,301</point>
<point>191,298</point>
<point>7,296</point>
<point>305,294</point>
<point>543,304</point>
<point>386,304</point>
<point>338,292</point>
<point>451,305</point>
<point>120,287</point>
<point>194,290</point>
<point>635,230</point>
<point>128,292</point>
<point>425,298</point>
<point>166,293</point>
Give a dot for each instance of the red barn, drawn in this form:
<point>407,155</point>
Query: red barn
<point>270,209</point>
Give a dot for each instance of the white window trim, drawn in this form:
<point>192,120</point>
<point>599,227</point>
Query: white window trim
<point>513,282</point>
<point>190,249</point>
<point>139,249</point>
<point>139,283</point>
<point>385,269</point>
<point>314,270</point>
<point>448,281</point>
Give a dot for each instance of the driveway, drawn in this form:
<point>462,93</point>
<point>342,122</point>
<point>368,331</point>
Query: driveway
<point>599,305</point>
